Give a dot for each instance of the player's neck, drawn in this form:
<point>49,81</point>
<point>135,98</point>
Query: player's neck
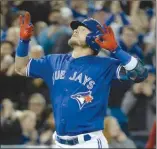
<point>79,52</point>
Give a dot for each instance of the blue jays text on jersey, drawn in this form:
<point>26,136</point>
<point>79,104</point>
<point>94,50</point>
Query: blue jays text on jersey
<point>80,77</point>
<point>79,89</point>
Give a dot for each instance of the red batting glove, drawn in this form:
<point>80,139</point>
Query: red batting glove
<point>106,40</point>
<point>26,29</point>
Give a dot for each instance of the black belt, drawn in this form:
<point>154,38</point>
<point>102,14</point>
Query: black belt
<point>74,141</point>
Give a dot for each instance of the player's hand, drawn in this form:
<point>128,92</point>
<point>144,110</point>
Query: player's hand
<point>26,28</point>
<point>106,40</point>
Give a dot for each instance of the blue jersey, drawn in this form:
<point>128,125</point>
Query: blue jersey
<point>79,89</point>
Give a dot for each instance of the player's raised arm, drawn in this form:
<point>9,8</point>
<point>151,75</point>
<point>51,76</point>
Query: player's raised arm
<point>26,30</point>
<point>135,69</point>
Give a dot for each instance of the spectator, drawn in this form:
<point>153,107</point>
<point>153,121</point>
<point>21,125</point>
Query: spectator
<point>117,19</point>
<point>13,35</point>
<point>49,36</point>
<point>34,7</point>
<point>7,60</point>
<point>101,15</point>
<point>37,104</point>
<point>4,11</point>
<point>13,17</point>
<point>120,23</point>
<point>7,48</point>
<point>79,9</point>
<point>2,28</point>
<point>101,10</point>
<point>117,14</point>
<point>150,44</point>
<point>11,70</point>
<point>66,14</point>
<point>57,4</point>
<point>61,45</point>
<point>36,52</point>
<point>138,18</point>
<point>126,6</point>
<point>119,88</point>
<point>128,42</point>
<point>27,123</point>
<point>38,28</point>
<point>47,130</point>
<point>10,125</point>
<point>6,63</point>
<point>115,136</point>
<point>137,101</point>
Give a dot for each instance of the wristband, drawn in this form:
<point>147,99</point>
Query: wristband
<point>122,56</point>
<point>129,62</point>
<point>22,48</point>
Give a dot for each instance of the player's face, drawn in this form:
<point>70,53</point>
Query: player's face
<point>78,37</point>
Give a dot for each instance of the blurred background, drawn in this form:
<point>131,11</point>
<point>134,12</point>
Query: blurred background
<point>26,114</point>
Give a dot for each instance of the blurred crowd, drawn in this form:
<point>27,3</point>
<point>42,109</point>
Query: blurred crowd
<point>26,114</point>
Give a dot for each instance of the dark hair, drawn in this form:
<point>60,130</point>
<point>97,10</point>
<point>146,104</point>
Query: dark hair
<point>9,42</point>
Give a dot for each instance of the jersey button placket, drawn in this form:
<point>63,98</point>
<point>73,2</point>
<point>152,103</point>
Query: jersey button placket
<point>63,103</point>
<point>63,121</point>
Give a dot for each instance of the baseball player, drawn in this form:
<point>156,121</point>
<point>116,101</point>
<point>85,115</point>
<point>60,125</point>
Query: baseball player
<point>79,82</point>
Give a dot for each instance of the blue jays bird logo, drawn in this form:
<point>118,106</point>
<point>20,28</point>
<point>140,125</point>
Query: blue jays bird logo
<point>82,98</point>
